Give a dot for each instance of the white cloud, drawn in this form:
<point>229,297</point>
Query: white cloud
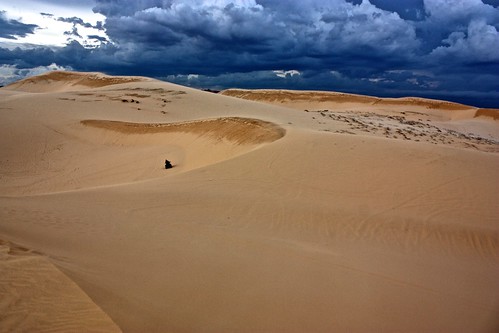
<point>50,31</point>
<point>10,73</point>
<point>478,44</point>
<point>451,10</point>
<point>285,74</point>
<point>336,74</point>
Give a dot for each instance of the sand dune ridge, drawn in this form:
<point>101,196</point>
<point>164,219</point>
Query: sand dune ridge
<point>289,96</point>
<point>67,81</point>
<point>236,129</point>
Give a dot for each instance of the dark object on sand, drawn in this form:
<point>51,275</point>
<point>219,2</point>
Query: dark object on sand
<point>168,165</point>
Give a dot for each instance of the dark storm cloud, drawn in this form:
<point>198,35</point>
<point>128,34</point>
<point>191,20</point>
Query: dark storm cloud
<point>302,35</point>
<point>75,20</point>
<point>494,3</point>
<point>98,38</point>
<point>73,55</point>
<point>78,21</point>
<point>12,29</point>
<point>433,48</point>
<point>72,32</point>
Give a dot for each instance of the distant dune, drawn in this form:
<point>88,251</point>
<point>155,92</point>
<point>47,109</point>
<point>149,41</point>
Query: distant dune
<point>492,113</point>
<point>289,97</point>
<point>285,211</point>
<point>67,81</point>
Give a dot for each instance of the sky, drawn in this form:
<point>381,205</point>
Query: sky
<point>445,49</point>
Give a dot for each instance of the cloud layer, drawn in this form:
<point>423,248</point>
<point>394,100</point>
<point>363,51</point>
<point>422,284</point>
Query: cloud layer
<point>434,48</point>
<point>13,29</point>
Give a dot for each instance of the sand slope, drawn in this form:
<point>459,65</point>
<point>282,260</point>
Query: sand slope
<point>273,219</point>
<point>37,297</point>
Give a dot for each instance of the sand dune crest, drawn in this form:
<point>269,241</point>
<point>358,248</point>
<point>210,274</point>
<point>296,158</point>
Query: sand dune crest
<point>234,129</point>
<point>289,96</point>
<point>57,81</point>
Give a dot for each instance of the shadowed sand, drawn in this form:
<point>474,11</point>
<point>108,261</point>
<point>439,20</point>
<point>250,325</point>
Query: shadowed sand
<point>310,214</point>
<point>238,130</point>
<point>493,113</point>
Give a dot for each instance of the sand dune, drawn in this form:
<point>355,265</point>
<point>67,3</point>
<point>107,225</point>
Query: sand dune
<point>289,98</point>
<point>492,113</point>
<point>67,81</point>
<point>362,216</point>
<point>408,118</point>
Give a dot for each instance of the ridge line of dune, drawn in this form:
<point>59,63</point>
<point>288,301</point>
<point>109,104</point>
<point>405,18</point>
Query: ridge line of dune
<point>274,95</point>
<point>70,80</point>
<point>237,129</point>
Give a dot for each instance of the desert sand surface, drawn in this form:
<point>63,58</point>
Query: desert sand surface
<point>284,211</point>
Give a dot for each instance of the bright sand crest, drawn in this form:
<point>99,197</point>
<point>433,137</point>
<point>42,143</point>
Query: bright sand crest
<point>359,214</point>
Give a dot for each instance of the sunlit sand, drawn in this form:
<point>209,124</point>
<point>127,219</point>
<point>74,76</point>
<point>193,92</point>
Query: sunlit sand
<point>284,211</point>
